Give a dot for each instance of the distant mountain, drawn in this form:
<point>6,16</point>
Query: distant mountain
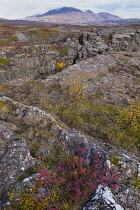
<point>108,16</point>
<point>119,22</point>
<point>61,10</point>
<point>3,19</point>
<point>71,15</point>
<point>89,12</point>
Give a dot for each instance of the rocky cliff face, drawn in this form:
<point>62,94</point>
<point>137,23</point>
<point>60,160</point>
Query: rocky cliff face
<point>42,60</point>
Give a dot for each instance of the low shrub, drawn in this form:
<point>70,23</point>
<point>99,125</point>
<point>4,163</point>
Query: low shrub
<point>129,125</point>
<point>112,123</point>
<point>68,186</point>
<point>77,89</point>
<point>60,65</point>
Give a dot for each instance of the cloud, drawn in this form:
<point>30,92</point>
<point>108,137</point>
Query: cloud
<point>127,13</point>
<point>21,8</point>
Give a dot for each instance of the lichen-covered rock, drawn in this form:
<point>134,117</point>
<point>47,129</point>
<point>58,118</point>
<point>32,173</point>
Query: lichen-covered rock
<point>102,199</point>
<point>126,42</point>
<point>32,118</point>
<point>15,158</point>
<point>79,45</point>
<point>21,37</point>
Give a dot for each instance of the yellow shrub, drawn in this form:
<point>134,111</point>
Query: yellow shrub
<point>129,122</point>
<point>60,65</point>
<point>77,88</point>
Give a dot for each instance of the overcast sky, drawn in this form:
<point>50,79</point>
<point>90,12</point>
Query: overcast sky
<point>22,8</point>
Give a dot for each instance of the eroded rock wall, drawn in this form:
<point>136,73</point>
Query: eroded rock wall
<point>41,61</point>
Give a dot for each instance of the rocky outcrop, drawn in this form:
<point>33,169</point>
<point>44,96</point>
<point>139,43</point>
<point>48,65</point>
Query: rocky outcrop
<point>126,42</point>
<point>21,117</point>
<point>102,199</point>
<point>29,135</point>
<point>15,158</point>
<point>41,61</point>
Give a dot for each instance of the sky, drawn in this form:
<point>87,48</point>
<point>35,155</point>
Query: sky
<point>14,9</point>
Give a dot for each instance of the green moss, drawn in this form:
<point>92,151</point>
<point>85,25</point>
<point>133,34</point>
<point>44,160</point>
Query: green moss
<point>32,83</point>
<point>63,51</point>
<point>35,146</point>
<point>41,33</point>
<point>127,83</point>
<point>25,103</point>
<point>13,38</point>
<point>2,104</point>
<point>120,92</point>
<point>3,61</point>
<point>3,107</point>
<point>114,160</point>
<point>135,181</point>
<point>4,87</point>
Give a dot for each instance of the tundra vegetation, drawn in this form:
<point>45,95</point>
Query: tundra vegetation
<point>117,124</point>
<point>67,179</point>
<point>64,174</point>
<point>69,183</point>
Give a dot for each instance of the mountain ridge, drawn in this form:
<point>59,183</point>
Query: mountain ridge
<point>71,15</point>
<point>61,10</point>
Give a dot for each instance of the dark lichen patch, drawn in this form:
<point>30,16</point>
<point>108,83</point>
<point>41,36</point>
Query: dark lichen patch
<point>28,172</point>
<point>35,146</point>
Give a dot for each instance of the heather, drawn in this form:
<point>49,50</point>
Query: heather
<point>69,185</point>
